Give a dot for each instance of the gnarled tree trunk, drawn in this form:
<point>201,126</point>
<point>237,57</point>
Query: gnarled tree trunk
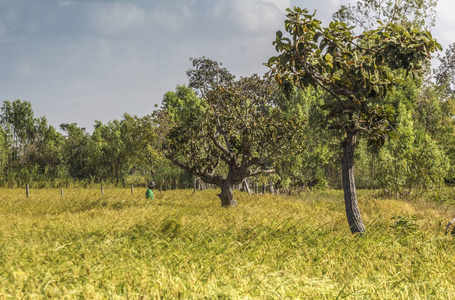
<point>227,194</point>
<point>348,181</point>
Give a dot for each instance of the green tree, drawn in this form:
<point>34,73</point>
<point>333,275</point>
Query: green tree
<point>357,71</point>
<point>18,122</point>
<point>206,75</point>
<point>445,73</point>
<point>236,132</point>
<point>4,155</point>
<point>366,13</point>
<point>81,152</point>
<point>412,163</point>
<point>47,151</point>
<point>434,115</point>
<point>115,151</point>
<point>182,103</point>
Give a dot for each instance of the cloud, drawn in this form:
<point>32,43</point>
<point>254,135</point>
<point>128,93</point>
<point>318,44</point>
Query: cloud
<point>117,18</point>
<point>443,30</point>
<point>255,16</point>
<point>280,4</point>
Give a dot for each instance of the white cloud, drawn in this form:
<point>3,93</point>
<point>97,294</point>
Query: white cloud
<point>256,16</point>
<point>444,29</point>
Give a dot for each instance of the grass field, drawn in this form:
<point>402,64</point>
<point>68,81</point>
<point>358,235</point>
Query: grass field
<point>184,245</point>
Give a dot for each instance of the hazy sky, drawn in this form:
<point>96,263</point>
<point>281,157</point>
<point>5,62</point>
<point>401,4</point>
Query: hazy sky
<point>85,60</point>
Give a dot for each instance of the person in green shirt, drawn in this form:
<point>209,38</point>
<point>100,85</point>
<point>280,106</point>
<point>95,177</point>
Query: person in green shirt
<point>149,192</point>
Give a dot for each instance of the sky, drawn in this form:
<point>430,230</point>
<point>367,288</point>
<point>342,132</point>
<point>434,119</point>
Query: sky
<point>77,61</point>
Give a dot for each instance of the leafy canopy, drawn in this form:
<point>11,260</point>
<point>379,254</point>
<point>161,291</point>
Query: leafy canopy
<point>358,71</point>
<point>235,131</point>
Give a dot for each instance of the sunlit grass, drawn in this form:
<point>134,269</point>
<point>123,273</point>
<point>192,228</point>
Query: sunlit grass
<point>185,245</point>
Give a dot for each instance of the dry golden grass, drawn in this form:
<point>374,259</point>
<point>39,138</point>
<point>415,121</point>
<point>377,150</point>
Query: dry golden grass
<point>184,245</point>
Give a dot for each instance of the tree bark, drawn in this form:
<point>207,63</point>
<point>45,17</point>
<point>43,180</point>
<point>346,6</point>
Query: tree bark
<point>227,194</point>
<point>348,181</point>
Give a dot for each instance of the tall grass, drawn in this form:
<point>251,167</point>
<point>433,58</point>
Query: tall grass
<point>184,245</point>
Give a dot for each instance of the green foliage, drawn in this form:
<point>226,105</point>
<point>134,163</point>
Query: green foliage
<point>404,224</point>
<point>358,71</point>
<point>207,75</point>
<point>411,163</point>
<point>445,73</point>
<point>236,130</point>
<point>115,149</point>
<point>81,152</point>
<point>182,104</point>
<point>31,148</point>
<point>366,13</point>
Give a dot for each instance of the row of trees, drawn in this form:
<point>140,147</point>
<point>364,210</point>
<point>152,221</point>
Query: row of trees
<point>119,152</point>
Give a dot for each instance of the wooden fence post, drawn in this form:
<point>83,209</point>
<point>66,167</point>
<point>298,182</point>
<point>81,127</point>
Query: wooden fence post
<point>27,190</point>
<point>61,192</point>
<point>102,190</point>
<point>263,188</point>
<point>132,190</point>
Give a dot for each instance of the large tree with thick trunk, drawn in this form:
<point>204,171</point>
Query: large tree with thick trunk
<point>233,131</point>
<point>358,72</point>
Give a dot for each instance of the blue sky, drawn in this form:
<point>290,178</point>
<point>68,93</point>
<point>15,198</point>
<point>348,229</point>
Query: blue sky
<point>85,60</point>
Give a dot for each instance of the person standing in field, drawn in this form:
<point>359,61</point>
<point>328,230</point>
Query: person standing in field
<point>149,192</point>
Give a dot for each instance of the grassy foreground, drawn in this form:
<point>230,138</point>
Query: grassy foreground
<point>183,245</point>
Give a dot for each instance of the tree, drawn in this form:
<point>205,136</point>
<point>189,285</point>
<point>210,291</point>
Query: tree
<point>445,73</point>
<point>366,13</point>
<point>47,150</point>
<point>81,152</point>
<point>206,75</point>
<point>115,148</point>
<point>236,132</point>
<point>412,163</point>
<point>4,155</point>
<point>358,72</point>
<point>18,122</point>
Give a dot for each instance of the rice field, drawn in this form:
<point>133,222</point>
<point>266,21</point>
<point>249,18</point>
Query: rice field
<point>184,245</point>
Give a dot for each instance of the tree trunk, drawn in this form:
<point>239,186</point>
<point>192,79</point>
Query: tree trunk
<point>226,195</point>
<point>348,181</point>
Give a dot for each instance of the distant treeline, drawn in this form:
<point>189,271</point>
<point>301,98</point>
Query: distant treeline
<point>119,152</point>
<point>127,151</point>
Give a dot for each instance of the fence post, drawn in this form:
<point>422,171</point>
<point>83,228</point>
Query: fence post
<point>61,192</point>
<point>132,190</point>
<point>263,188</point>
<point>27,190</point>
<point>102,190</point>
